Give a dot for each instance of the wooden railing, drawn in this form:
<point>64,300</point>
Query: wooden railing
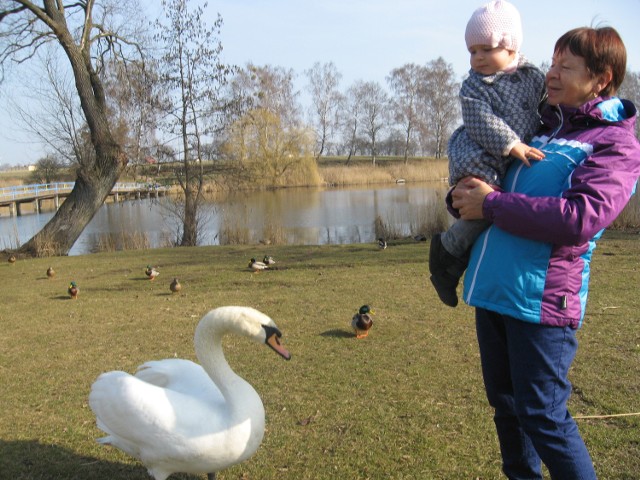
<point>12,197</point>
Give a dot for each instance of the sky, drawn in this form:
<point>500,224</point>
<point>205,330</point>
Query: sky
<point>365,39</point>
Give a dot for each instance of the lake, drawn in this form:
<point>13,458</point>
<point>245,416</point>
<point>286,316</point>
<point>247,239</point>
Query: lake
<point>307,216</point>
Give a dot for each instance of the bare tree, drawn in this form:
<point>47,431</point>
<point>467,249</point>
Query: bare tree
<point>375,108</point>
<point>87,34</point>
<point>325,101</point>
<point>134,106</point>
<point>48,170</point>
<point>54,115</point>
<point>351,114</point>
<point>269,88</point>
<point>440,94</point>
<point>193,76</point>
<point>406,84</point>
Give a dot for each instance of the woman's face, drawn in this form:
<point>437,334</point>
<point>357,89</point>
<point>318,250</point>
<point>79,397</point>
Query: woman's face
<point>569,82</point>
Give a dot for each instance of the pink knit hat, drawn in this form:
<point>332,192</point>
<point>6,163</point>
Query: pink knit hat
<point>497,24</point>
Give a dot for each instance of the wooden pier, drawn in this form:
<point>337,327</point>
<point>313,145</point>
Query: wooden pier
<point>13,197</point>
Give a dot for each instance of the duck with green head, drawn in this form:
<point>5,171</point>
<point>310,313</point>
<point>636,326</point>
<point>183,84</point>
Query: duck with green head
<point>268,260</point>
<point>362,321</point>
<point>257,266</point>
<point>73,290</point>
<point>151,272</point>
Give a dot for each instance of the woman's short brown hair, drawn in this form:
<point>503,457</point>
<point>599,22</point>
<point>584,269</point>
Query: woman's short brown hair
<point>602,50</point>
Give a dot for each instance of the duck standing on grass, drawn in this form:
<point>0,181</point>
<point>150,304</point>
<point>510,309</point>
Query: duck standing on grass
<point>175,286</point>
<point>257,266</point>
<point>151,272</point>
<point>51,272</point>
<point>362,321</point>
<point>382,243</point>
<point>177,416</point>
<point>73,290</point>
<point>268,260</point>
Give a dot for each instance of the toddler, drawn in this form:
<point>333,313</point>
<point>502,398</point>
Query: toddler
<point>499,102</point>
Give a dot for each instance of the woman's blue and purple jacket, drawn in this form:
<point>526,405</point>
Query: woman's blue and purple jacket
<point>533,262</point>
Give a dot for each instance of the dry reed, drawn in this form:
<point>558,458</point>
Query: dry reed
<point>113,242</point>
<point>424,171</point>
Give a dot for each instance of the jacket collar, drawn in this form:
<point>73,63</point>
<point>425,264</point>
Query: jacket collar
<point>605,110</point>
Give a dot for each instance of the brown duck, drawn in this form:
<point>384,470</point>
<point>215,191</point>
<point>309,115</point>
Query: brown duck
<point>175,286</point>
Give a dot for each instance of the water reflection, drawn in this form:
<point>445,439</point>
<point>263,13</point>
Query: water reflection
<point>298,216</point>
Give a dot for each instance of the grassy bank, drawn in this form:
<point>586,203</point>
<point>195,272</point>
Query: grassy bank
<point>405,403</point>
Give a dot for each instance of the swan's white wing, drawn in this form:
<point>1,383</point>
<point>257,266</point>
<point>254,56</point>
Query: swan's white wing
<point>181,376</point>
<point>171,431</point>
<point>139,416</point>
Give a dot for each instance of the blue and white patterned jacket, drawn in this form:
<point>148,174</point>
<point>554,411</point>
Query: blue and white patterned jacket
<point>497,111</point>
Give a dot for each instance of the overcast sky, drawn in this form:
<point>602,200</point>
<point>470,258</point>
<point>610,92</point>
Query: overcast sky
<point>366,39</point>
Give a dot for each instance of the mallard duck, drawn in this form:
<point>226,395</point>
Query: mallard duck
<point>362,321</point>
<point>51,272</point>
<point>382,243</point>
<point>268,260</point>
<point>257,266</point>
<point>73,290</point>
<point>175,286</point>
<point>177,416</point>
<point>151,272</point>
<point>11,258</point>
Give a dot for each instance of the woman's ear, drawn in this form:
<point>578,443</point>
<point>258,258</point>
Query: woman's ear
<point>603,80</point>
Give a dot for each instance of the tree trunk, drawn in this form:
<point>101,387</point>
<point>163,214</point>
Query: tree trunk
<point>190,221</point>
<point>88,195</point>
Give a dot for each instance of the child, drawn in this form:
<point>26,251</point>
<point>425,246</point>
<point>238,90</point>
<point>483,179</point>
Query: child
<point>499,102</point>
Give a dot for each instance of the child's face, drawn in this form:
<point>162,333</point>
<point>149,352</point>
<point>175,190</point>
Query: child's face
<point>487,60</point>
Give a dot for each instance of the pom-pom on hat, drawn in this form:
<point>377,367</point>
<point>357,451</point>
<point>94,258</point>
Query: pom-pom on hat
<point>497,24</point>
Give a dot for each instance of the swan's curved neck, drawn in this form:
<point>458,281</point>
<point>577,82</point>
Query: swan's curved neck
<point>208,346</point>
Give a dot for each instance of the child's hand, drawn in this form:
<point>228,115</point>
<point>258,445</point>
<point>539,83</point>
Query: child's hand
<point>524,152</point>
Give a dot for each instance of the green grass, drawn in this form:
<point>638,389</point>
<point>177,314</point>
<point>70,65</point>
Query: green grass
<point>405,403</point>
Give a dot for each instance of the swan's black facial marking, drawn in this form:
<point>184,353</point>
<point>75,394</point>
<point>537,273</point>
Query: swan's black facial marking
<point>273,341</point>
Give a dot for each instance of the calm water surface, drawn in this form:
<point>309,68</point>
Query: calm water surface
<point>307,216</point>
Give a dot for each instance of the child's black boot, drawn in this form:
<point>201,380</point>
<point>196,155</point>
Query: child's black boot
<point>446,271</point>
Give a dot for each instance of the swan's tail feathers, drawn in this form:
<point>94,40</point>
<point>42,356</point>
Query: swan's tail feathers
<point>104,440</point>
<point>158,474</point>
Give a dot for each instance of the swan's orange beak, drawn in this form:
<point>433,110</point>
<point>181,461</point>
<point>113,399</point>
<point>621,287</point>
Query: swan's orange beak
<point>273,341</point>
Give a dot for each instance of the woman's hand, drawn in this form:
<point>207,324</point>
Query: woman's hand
<point>468,197</point>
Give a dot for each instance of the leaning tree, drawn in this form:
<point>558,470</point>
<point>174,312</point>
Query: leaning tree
<point>86,31</point>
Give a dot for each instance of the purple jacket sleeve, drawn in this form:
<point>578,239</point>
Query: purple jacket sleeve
<point>600,189</point>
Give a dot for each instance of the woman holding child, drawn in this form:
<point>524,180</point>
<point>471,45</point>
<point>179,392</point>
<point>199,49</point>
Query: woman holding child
<point>528,272</point>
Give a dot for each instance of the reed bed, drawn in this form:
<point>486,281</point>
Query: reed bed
<point>392,172</point>
<point>113,242</point>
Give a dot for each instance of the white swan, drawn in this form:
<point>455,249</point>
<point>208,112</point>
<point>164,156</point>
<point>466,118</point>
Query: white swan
<point>177,416</point>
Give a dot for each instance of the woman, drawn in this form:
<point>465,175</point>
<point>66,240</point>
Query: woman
<point>528,272</point>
